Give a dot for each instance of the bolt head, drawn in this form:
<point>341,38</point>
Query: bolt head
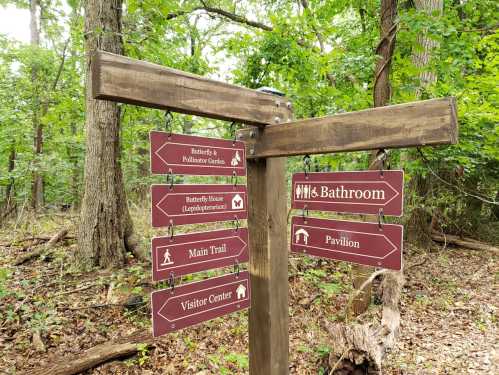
<point>278,104</point>
<point>277,120</point>
<point>252,151</point>
<point>289,105</point>
<point>252,134</point>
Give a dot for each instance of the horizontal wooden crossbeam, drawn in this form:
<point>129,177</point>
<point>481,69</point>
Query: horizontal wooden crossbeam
<point>429,122</point>
<point>131,81</point>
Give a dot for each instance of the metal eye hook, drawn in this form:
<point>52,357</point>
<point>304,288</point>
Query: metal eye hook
<point>171,229</point>
<point>232,131</point>
<point>381,156</point>
<point>304,212</point>
<point>234,178</point>
<point>381,219</point>
<point>236,268</point>
<point>171,282</point>
<point>169,178</point>
<point>236,223</point>
<point>169,123</point>
<point>306,164</point>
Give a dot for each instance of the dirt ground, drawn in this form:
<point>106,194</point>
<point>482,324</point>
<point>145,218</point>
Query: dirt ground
<point>49,310</point>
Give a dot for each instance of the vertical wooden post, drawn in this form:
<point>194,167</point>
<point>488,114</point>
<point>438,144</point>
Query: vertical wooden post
<point>269,317</point>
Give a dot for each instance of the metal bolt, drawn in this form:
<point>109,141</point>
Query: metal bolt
<point>252,134</point>
<point>277,120</point>
<point>252,151</point>
<point>289,105</point>
<point>278,104</point>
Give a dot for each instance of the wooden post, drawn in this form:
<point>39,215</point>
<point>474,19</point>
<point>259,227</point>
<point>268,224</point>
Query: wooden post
<point>269,317</point>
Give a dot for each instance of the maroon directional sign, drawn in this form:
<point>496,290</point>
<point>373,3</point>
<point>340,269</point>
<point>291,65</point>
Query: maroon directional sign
<point>364,192</point>
<point>356,242</point>
<point>188,154</point>
<point>200,301</point>
<point>191,204</point>
<point>194,252</point>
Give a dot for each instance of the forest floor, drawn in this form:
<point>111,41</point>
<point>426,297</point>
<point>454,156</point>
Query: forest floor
<point>49,310</point>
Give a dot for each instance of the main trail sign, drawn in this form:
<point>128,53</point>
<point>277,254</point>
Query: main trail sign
<point>368,244</point>
<point>192,204</point>
<point>359,192</point>
<point>194,252</point>
<point>200,301</point>
<point>192,155</point>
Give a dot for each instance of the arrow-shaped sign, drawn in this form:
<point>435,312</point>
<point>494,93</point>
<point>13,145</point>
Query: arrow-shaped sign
<point>357,242</point>
<point>363,192</point>
<point>202,156</point>
<point>195,252</point>
<point>192,204</point>
<point>197,302</point>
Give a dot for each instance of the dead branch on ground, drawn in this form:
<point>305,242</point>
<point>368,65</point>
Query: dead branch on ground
<point>38,252</point>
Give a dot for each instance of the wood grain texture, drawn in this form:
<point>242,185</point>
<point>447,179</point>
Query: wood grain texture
<point>126,80</point>
<point>429,122</point>
<point>269,315</point>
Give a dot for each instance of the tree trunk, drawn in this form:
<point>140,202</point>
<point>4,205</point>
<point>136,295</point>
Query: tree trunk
<point>382,94</point>
<point>426,45</point>
<point>418,225</point>
<point>106,230</point>
<point>37,181</point>
<point>11,193</point>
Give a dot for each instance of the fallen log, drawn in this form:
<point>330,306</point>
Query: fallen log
<point>38,252</point>
<point>97,355</point>
<point>463,242</point>
<point>360,348</point>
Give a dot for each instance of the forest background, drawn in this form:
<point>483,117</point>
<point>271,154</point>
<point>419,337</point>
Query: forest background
<point>322,54</point>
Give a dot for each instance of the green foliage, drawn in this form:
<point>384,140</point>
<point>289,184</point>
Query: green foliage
<point>321,57</point>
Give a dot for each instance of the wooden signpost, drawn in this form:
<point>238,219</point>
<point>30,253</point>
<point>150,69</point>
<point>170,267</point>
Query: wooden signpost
<point>276,135</point>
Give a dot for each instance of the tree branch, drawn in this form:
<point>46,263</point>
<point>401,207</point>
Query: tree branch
<point>235,17</point>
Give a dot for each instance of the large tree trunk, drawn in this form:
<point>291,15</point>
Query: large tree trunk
<point>418,225</point>
<point>382,94</point>
<point>37,179</point>
<point>105,230</point>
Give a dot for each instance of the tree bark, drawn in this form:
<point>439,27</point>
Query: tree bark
<point>426,45</point>
<point>37,178</point>
<point>382,95</point>
<point>418,225</point>
<point>11,192</point>
<point>106,230</point>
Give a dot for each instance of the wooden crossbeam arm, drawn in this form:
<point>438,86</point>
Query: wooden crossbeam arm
<point>429,122</point>
<point>122,79</point>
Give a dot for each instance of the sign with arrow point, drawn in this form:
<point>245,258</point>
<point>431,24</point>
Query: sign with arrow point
<point>362,192</point>
<point>193,204</point>
<point>195,252</point>
<point>192,155</point>
<point>369,244</point>
<point>197,302</point>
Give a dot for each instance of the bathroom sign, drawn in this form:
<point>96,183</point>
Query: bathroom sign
<point>362,192</point>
